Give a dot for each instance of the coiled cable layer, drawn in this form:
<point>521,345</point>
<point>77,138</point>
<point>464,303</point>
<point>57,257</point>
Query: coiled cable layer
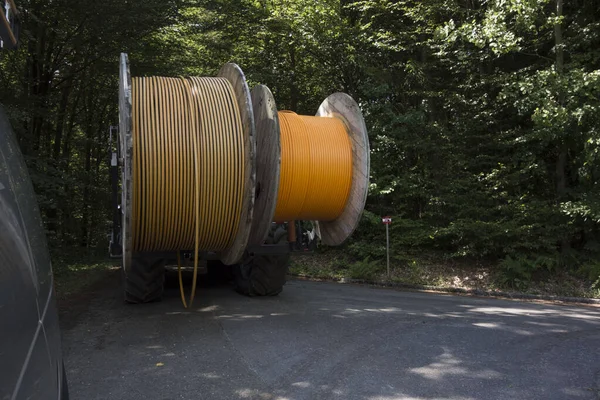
<point>188,165</point>
<point>316,168</point>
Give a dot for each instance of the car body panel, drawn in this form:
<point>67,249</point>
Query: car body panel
<point>30,350</point>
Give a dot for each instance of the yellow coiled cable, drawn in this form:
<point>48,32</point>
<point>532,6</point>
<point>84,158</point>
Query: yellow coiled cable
<point>188,166</point>
<point>316,168</point>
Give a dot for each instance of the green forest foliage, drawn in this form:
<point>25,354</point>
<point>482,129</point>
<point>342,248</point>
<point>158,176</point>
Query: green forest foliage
<point>483,116</point>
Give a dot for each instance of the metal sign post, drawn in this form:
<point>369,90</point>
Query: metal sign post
<point>387,221</point>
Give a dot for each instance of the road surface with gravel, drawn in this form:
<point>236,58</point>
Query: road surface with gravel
<point>329,341</point>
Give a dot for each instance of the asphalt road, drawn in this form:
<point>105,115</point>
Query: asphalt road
<point>330,341</point>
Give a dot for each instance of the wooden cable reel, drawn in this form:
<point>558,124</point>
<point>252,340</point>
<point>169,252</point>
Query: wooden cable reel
<point>233,82</point>
<point>269,155</point>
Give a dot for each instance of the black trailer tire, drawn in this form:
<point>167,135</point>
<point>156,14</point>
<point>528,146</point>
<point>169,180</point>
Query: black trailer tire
<point>263,275</point>
<point>144,279</point>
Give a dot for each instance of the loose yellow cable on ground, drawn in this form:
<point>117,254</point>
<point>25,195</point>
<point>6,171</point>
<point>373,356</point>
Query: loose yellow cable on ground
<point>316,168</point>
<point>188,166</point>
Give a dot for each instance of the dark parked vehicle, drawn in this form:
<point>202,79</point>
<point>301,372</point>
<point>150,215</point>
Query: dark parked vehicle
<point>31,363</point>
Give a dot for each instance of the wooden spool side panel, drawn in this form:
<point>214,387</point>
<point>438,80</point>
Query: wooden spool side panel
<point>126,150</point>
<point>268,162</point>
<point>236,77</point>
<point>342,106</point>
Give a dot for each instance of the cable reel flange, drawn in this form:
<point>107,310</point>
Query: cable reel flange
<point>268,162</point>
<point>233,73</point>
<point>126,152</point>
<point>342,106</point>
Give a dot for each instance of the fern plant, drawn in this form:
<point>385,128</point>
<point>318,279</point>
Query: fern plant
<point>516,272</point>
<point>366,269</point>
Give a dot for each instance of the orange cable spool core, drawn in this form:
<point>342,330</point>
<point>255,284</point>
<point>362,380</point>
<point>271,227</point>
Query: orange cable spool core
<point>316,168</point>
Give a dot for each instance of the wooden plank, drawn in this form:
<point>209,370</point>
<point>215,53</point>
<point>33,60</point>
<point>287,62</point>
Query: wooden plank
<point>342,106</point>
<point>235,76</point>
<point>268,162</point>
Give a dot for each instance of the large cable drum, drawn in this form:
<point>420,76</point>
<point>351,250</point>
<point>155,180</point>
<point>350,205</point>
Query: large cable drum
<point>188,163</point>
<point>322,164</point>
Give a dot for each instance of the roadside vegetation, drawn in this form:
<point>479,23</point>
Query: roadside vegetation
<point>363,259</point>
<point>430,271</point>
<point>75,274</point>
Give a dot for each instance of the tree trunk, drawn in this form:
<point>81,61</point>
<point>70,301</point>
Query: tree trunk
<point>85,217</point>
<point>60,120</point>
<point>67,226</point>
<point>561,161</point>
<point>98,200</point>
<point>562,149</point>
<point>89,139</point>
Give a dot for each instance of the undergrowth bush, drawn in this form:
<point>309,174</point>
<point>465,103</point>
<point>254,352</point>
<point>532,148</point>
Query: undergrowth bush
<point>591,271</point>
<point>366,269</point>
<point>517,273</point>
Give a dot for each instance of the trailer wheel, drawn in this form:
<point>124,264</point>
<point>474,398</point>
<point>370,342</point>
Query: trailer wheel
<point>263,275</point>
<point>144,279</point>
